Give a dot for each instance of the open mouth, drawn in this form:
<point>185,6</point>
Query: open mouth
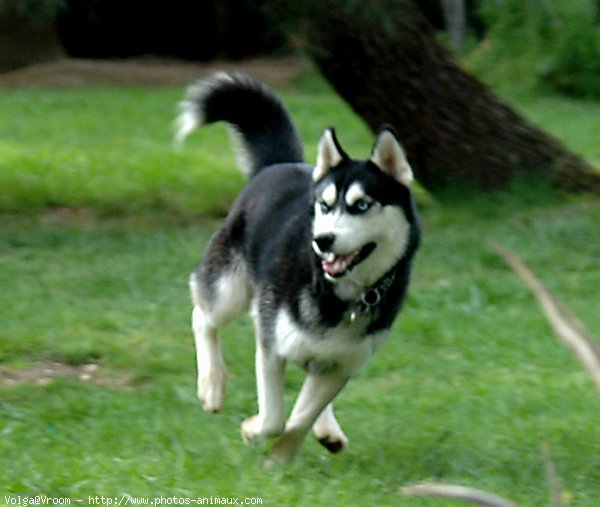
<point>336,265</point>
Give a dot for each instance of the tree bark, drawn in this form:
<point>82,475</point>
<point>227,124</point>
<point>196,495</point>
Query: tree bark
<point>24,41</point>
<point>455,17</point>
<point>388,65</point>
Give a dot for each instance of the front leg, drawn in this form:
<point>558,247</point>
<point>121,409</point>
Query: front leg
<point>270,420</point>
<point>316,393</point>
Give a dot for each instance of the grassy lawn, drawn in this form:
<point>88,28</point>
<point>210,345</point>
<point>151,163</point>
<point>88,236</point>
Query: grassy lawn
<point>100,223</point>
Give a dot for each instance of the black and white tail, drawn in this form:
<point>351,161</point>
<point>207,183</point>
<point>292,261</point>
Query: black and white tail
<point>262,128</point>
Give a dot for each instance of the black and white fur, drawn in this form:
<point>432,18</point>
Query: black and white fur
<point>320,254</point>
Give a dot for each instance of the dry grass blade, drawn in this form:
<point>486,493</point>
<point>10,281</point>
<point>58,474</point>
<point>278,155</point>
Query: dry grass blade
<point>454,492</point>
<point>570,330</point>
<point>554,482</point>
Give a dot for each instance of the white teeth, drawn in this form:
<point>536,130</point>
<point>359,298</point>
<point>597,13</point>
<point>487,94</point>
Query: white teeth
<point>330,257</point>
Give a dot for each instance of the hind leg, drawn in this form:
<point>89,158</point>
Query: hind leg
<point>216,302</point>
<point>328,431</point>
<point>212,374</point>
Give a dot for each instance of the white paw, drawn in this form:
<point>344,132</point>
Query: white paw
<point>254,431</point>
<point>211,390</point>
<point>251,434</point>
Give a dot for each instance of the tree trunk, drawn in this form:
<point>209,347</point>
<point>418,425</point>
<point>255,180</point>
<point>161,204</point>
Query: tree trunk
<point>455,18</point>
<point>387,64</point>
<point>24,41</point>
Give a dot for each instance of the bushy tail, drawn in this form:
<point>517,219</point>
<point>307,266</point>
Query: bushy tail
<point>262,127</point>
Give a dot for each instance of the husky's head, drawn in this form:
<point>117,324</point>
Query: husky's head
<point>363,210</point>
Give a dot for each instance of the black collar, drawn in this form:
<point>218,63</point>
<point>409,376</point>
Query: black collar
<point>373,296</point>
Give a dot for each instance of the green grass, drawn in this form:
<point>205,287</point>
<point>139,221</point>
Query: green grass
<point>469,386</point>
<point>112,151</point>
<point>104,149</point>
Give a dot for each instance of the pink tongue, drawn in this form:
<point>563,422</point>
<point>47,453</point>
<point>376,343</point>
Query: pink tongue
<point>338,264</point>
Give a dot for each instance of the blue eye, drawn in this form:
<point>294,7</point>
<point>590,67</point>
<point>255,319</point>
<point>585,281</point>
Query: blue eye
<point>362,206</point>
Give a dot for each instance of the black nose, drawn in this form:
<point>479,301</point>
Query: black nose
<point>325,242</point>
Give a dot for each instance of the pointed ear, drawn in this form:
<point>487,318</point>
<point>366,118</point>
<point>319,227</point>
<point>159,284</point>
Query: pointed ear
<point>329,154</point>
<point>389,156</point>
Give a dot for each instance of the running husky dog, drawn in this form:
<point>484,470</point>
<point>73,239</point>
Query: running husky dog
<point>320,254</point>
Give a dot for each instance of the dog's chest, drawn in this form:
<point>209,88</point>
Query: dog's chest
<point>340,349</point>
